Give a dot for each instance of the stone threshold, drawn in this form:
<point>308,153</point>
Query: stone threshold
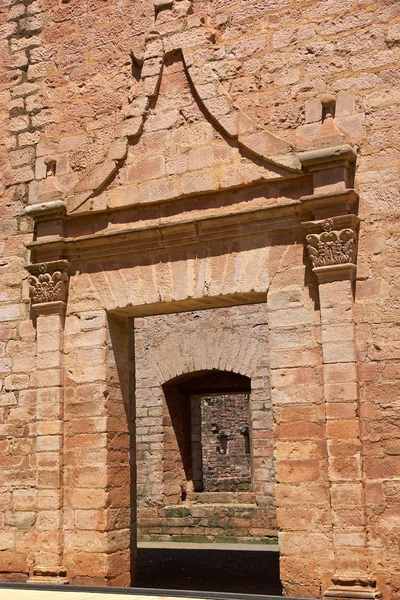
<point>238,546</point>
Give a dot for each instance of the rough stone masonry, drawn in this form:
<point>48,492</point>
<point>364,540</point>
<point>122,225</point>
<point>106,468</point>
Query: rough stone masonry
<point>236,160</point>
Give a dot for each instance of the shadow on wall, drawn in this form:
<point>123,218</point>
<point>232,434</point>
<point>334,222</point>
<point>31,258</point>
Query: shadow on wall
<point>235,571</point>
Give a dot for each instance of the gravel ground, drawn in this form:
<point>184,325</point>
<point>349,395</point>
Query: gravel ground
<point>241,569</point>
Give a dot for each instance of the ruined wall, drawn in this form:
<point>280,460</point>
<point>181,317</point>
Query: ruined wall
<point>231,339</point>
<point>66,71</point>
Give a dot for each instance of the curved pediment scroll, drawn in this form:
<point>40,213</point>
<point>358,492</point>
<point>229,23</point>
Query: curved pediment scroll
<point>262,147</point>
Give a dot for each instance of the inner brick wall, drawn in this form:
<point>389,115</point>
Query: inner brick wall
<point>224,422</point>
<point>169,503</point>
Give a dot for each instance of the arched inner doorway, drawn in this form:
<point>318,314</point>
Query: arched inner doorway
<point>209,413</point>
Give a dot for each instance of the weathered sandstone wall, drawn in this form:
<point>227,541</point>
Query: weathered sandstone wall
<point>89,121</point>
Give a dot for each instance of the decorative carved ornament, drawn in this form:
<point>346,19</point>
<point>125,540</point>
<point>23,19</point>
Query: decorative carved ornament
<point>331,247</point>
<point>48,287</point>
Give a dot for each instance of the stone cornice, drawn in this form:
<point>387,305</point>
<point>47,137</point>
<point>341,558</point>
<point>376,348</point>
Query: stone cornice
<point>44,210</point>
<point>271,218</point>
<point>327,157</point>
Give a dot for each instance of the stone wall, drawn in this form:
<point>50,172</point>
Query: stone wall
<point>73,78</point>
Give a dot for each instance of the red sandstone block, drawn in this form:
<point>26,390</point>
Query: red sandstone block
<point>338,352</point>
<point>13,561</point>
<point>49,499</point>
<point>87,426</point>
<point>24,499</point>
<point>347,495</point>
<point>341,392</point>
<point>48,460</point>
<point>345,468</point>
<point>293,376</point>
<point>93,476</point>
<point>342,429</point>
<point>295,413</point>
<point>48,520</point>
<point>295,471</point>
<point>340,373</point>
<point>85,541</point>
<point>48,479</point>
<point>49,378</point>
<point>299,450</point>
<point>90,519</point>
<point>344,447</point>
<point>299,430</point>
<point>304,519</point>
<point>151,168</point>
<point>344,518</point>
<point>312,543</point>
<point>341,410</point>
<point>89,440</point>
<point>353,539</point>
<point>382,468</point>
<point>89,564</point>
<point>79,498</point>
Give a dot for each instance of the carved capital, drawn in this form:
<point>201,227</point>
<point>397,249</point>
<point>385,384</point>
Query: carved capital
<point>332,246</point>
<point>48,282</point>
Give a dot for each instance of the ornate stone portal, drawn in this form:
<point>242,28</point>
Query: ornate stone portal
<point>188,203</point>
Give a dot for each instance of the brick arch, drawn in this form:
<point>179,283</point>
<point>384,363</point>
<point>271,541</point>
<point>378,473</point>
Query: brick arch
<point>211,381</point>
<point>212,350</point>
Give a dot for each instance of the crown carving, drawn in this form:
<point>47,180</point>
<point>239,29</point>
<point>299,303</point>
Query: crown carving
<point>331,247</point>
<point>48,287</point>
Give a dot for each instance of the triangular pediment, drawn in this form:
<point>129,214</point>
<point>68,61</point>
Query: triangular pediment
<point>177,137</point>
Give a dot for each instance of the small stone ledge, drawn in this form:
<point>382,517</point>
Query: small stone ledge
<point>332,273</point>
<point>327,157</point>
<point>46,210</point>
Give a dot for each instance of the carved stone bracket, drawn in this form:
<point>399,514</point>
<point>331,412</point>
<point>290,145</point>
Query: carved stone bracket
<point>353,587</point>
<point>331,247</point>
<point>48,282</point>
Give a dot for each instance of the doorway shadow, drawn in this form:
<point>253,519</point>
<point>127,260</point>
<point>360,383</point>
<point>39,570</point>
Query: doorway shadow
<point>234,571</point>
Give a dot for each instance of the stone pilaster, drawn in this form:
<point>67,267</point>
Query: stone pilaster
<point>331,247</point>
<point>48,291</point>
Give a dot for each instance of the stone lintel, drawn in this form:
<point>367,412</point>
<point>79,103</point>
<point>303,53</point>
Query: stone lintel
<point>271,218</point>
<point>332,273</point>
<point>49,575</point>
<point>353,587</point>
<point>49,308</point>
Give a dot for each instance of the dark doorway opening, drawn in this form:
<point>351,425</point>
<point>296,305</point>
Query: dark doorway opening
<point>235,571</point>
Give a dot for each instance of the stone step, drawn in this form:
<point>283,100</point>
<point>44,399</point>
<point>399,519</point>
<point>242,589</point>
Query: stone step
<point>221,498</point>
